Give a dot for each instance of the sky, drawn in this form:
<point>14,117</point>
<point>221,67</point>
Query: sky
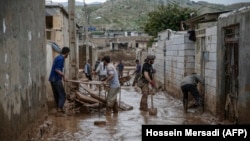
<point>87,1</point>
<point>226,2</point>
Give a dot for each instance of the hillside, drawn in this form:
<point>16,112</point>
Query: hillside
<point>131,14</point>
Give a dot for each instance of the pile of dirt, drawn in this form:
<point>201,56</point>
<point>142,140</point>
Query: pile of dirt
<point>127,56</point>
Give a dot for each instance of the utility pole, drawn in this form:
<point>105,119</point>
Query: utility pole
<point>74,55</point>
<point>86,29</point>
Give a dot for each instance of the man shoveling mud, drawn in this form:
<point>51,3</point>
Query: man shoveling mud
<point>189,84</point>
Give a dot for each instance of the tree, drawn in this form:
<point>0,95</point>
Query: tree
<point>166,17</point>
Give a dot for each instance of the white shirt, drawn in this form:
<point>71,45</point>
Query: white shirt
<point>101,69</point>
<point>114,82</point>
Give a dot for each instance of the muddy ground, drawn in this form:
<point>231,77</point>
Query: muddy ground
<point>80,125</point>
<point>126,126</point>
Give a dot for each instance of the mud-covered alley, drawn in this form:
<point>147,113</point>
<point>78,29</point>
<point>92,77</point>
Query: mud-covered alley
<point>126,126</point>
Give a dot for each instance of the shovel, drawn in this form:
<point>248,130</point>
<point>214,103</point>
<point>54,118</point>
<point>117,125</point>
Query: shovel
<point>152,110</point>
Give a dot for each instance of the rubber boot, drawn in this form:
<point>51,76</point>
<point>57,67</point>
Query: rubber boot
<point>185,105</point>
<point>115,108</point>
<point>108,111</point>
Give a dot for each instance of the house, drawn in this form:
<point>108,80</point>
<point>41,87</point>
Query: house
<point>218,53</point>
<point>113,41</point>
<point>205,27</point>
<point>57,35</point>
<point>233,48</point>
<point>221,51</point>
<point>57,24</point>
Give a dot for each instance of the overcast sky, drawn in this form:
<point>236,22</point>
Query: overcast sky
<point>87,1</point>
<point>226,2</point>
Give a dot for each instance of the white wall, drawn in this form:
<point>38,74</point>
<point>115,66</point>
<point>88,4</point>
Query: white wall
<point>210,69</point>
<point>179,60</point>
<point>49,58</point>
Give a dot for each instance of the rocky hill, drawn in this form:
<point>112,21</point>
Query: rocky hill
<point>131,14</point>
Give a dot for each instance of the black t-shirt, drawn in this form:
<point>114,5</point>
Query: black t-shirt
<point>148,68</point>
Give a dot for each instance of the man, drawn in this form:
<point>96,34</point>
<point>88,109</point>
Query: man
<point>189,84</point>
<point>97,63</point>
<point>55,79</point>
<point>120,68</point>
<point>114,87</point>
<point>137,71</point>
<point>87,70</point>
<point>147,76</point>
<point>101,70</point>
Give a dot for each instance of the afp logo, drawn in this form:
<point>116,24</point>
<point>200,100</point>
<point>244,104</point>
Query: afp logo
<point>234,133</point>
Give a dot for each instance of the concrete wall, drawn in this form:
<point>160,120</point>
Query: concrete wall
<point>210,69</point>
<point>159,60</point>
<point>183,57</point>
<point>180,57</point>
<point>241,17</point>
<point>179,61</point>
<point>205,64</point>
<point>23,67</point>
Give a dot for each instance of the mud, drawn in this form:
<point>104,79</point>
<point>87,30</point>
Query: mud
<point>126,126</point>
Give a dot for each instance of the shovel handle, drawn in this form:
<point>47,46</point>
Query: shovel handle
<point>152,105</point>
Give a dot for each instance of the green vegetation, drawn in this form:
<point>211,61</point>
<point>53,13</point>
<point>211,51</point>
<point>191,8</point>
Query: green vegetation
<point>166,17</point>
<point>97,32</point>
<point>133,14</point>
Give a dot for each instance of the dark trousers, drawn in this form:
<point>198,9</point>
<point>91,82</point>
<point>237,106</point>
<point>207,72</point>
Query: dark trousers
<point>194,91</point>
<point>102,77</point>
<point>88,76</point>
<point>137,76</point>
<point>120,73</point>
<point>59,93</point>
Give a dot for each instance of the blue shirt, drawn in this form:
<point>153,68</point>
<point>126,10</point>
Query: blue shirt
<point>120,67</point>
<point>58,64</point>
<point>138,68</point>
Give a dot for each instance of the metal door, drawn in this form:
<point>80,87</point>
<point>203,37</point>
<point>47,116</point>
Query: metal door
<point>231,71</point>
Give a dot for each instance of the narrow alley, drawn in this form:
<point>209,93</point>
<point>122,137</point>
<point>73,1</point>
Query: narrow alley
<point>126,126</point>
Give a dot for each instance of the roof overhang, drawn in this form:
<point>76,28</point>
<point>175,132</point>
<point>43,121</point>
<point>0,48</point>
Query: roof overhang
<point>51,9</point>
<point>208,17</point>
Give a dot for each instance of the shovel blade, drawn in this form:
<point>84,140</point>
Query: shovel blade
<point>152,111</point>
